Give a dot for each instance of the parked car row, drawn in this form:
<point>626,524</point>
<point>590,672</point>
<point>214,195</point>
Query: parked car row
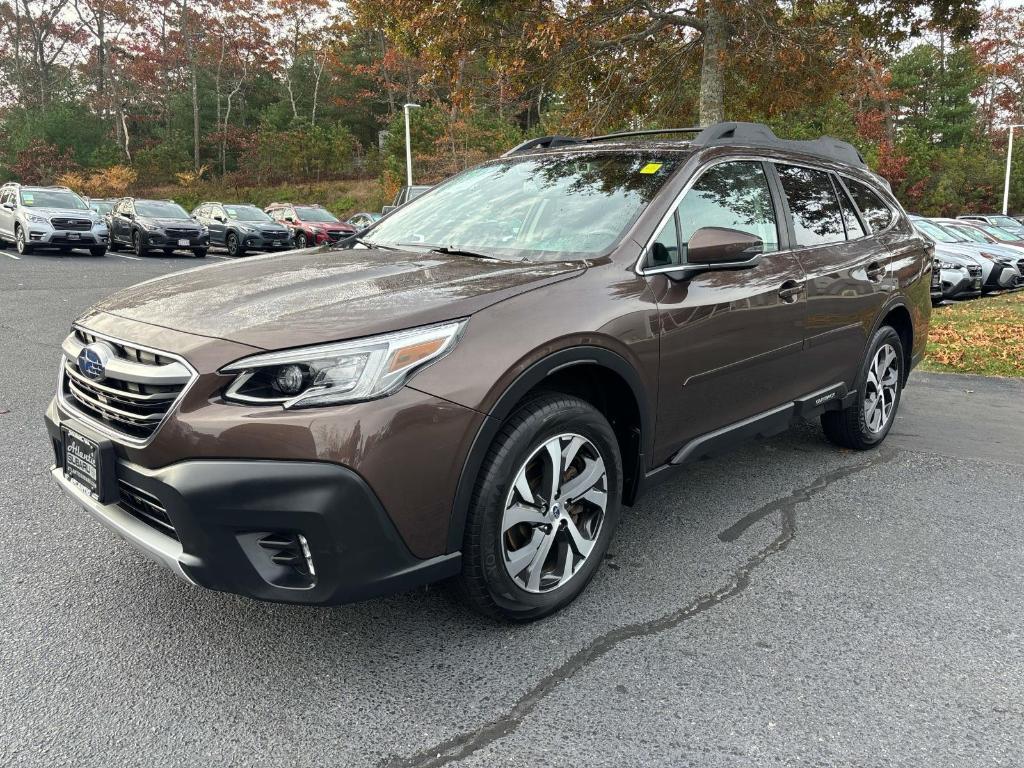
<point>974,256</point>
<point>56,218</point>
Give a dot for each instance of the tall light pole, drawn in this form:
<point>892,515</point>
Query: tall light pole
<point>408,145</point>
<point>1009,155</point>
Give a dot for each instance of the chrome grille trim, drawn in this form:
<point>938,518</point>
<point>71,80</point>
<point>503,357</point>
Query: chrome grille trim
<point>127,415</point>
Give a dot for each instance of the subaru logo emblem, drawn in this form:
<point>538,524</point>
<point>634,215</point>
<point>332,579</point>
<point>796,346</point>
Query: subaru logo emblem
<point>92,360</point>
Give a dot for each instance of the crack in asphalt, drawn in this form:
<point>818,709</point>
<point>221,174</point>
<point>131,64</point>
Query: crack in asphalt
<point>466,744</point>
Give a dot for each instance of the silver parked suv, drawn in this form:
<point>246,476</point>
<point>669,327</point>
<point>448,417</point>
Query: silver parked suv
<point>49,217</point>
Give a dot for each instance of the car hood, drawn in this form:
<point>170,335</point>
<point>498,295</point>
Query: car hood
<point>1005,252</point>
<point>317,295</point>
<point>149,221</point>
<point>69,213</point>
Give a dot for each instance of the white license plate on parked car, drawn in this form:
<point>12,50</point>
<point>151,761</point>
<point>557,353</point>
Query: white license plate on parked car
<point>74,236</point>
<point>81,461</point>
<point>277,242</point>
<point>183,242</point>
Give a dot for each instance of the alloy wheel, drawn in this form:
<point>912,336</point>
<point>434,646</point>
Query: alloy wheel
<point>881,388</point>
<point>554,512</point>
<point>21,240</point>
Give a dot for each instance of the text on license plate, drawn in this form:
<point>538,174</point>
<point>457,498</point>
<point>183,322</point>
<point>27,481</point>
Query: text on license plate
<point>183,242</point>
<point>81,461</point>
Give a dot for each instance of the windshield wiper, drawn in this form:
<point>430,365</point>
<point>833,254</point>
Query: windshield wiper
<point>355,238</point>
<point>451,251</point>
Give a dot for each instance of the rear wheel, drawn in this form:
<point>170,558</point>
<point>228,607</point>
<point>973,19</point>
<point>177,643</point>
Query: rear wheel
<point>98,251</point>
<point>866,422</point>
<point>543,511</point>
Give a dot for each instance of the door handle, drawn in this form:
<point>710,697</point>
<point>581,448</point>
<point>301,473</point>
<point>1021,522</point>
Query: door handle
<point>875,271</point>
<point>790,291</point>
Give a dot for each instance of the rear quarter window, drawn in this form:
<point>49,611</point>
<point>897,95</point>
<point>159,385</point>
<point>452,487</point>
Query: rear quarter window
<point>876,213</point>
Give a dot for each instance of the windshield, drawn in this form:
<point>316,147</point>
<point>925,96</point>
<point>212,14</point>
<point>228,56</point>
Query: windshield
<point>971,233</point>
<point>52,198</point>
<point>315,214</point>
<point>1005,221</point>
<point>549,208</point>
<point>1000,234</point>
<point>160,209</point>
<point>935,232</point>
<point>101,207</point>
<point>246,213</point>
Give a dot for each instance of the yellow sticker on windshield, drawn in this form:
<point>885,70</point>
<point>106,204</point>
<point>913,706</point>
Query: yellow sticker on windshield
<point>651,168</point>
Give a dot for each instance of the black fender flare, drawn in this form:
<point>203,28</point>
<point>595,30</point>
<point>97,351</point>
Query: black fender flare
<point>504,405</point>
<point>897,301</point>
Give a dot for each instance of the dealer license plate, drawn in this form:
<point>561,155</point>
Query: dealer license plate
<point>82,461</point>
<point>183,242</point>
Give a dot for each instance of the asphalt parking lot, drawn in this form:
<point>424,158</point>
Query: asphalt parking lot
<point>787,604</point>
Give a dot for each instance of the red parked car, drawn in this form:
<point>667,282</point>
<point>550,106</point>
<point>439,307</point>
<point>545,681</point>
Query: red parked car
<point>309,224</point>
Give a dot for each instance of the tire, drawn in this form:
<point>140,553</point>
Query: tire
<point>544,536</point>
<point>114,245</point>
<point>234,250</point>
<point>168,251</point>
<point>301,241</point>
<point>98,252</point>
<point>21,243</point>
<point>199,253</point>
<point>861,428</point>
<point>137,245</point>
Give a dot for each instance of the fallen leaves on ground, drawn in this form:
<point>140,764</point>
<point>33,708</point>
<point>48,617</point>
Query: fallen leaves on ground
<point>983,336</point>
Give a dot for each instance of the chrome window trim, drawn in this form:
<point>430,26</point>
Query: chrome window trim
<point>104,429</point>
<point>638,267</point>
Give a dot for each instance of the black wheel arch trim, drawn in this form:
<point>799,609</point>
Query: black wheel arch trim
<point>896,302</point>
<point>503,406</point>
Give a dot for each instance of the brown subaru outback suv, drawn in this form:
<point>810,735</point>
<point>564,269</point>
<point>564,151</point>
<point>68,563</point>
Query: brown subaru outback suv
<point>479,384</point>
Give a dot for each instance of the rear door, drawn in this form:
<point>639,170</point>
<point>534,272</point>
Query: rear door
<point>216,220</point>
<point>846,271</point>
<point>731,340</point>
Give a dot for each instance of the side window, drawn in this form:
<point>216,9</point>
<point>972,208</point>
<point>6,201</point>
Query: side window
<point>853,225</point>
<point>5,196</point>
<point>812,205</point>
<point>876,213</point>
<point>732,195</point>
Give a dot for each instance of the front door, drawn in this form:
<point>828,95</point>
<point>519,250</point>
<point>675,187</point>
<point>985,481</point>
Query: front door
<point>6,214</point>
<point>731,339</point>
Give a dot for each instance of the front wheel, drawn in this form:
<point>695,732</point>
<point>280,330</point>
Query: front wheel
<point>21,242</point>
<point>300,240</point>
<point>543,511</point>
<point>234,249</point>
<point>138,246</point>
<point>199,253</point>
<point>866,422</point>
<point>98,251</point>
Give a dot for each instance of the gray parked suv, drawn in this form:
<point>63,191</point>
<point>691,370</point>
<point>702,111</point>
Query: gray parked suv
<point>49,217</point>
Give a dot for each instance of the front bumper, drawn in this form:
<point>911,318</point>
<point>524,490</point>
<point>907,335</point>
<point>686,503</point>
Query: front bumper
<point>220,510</point>
<point>67,238</point>
<point>161,240</point>
<point>958,283</point>
<point>260,243</point>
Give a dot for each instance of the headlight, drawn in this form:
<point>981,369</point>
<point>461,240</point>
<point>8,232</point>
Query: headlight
<point>35,218</point>
<point>340,373</point>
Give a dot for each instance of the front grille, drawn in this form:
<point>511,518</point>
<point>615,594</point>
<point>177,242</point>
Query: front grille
<point>72,225</point>
<point>336,236</point>
<point>182,233</point>
<point>146,508</point>
<point>269,234</point>
<point>138,390</point>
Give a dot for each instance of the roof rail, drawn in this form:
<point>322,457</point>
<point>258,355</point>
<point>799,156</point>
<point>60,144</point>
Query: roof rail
<point>760,135</point>
<point>719,134</point>
<point>646,132</point>
<point>541,142</point>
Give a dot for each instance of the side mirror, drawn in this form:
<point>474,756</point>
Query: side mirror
<point>220,218</point>
<point>722,247</point>
<point>9,206</point>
